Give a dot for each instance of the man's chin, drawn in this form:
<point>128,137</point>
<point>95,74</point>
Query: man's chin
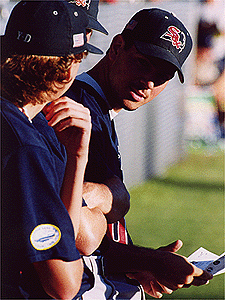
<point>131,105</point>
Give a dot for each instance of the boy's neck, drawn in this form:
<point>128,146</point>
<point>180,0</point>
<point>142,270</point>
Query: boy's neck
<point>30,110</point>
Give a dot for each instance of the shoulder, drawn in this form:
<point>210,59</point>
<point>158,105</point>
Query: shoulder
<point>19,136</point>
<point>87,91</point>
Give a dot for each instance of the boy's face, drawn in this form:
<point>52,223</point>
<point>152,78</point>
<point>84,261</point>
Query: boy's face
<point>136,79</point>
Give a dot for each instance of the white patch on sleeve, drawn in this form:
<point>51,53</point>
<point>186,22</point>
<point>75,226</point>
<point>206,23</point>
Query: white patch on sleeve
<point>45,236</point>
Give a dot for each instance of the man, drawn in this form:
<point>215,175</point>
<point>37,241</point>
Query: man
<point>42,48</point>
<point>137,67</point>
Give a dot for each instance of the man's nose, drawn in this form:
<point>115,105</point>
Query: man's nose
<point>150,85</point>
<point>147,84</point>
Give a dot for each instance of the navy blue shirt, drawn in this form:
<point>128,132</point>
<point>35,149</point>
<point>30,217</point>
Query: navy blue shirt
<point>104,157</point>
<point>35,223</point>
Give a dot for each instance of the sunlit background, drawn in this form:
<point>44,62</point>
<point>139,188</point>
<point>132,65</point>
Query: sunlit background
<point>173,148</point>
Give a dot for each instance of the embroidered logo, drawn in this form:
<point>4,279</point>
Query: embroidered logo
<point>45,236</point>
<point>176,37</point>
<point>83,3</point>
<point>25,37</point>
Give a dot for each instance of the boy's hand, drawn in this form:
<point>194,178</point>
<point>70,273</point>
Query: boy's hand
<point>72,124</point>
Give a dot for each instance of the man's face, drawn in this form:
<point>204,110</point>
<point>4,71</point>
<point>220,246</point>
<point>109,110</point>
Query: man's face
<point>136,79</point>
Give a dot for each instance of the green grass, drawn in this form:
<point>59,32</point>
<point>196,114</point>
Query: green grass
<point>187,203</point>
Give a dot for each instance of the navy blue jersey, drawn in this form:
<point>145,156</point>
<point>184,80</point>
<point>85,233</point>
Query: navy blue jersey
<point>104,157</point>
<point>35,223</point>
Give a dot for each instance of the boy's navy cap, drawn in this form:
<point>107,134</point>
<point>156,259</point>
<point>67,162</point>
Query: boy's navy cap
<point>46,28</point>
<point>159,33</point>
<point>91,8</point>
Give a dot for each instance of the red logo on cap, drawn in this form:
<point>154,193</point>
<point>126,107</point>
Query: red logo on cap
<point>83,3</point>
<point>175,36</point>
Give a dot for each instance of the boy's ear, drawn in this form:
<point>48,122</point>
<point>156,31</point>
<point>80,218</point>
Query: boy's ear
<point>116,45</point>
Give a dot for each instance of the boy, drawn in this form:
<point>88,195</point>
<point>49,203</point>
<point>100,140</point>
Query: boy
<point>43,45</point>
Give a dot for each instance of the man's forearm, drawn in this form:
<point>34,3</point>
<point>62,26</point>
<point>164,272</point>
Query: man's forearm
<point>111,197</point>
<point>108,201</point>
<point>121,258</point>
<point>168,268</point>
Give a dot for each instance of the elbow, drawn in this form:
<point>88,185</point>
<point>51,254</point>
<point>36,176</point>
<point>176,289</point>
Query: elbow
<point>71,293</point>
<point>60,279</point>
<point>90,247</point>
<point>64,294</point>
<point>88,244</point>
<point>91,231</point>
<point>92,243</point>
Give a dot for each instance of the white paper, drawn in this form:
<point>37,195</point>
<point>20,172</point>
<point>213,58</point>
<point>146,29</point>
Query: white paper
<point>208,261</point>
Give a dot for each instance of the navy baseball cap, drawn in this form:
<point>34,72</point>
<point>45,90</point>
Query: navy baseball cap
<point>158,33</point>
<point>91,8</point>
<point>47,28</point>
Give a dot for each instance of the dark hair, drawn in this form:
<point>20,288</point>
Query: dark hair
<point>26,77</point>
<point>128,39</point>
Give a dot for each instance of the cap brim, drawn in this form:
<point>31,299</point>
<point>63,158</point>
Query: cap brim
<point>92,49</point>
<point>94,24</point>
<point>159,52</point>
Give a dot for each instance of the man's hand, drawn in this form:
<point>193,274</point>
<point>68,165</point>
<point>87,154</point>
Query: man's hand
<point>174,271</point>
<point>72,124</point>
<point>150,285</point>
<point>161,283</point>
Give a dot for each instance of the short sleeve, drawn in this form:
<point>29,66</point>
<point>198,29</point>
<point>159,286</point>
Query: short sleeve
<point>37,221</point>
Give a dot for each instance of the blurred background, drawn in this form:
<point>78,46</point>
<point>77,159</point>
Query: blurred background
<point>173,148</point>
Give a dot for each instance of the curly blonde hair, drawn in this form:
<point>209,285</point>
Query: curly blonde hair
<point>26,77</point>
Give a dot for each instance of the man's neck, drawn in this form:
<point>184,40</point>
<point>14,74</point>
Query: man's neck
<point>100,74</point>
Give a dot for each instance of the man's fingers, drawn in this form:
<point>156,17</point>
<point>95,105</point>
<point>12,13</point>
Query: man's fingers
<point>204,275</point>
<point>199,280</point>
<point>202,278</point>
<point>196,282</point>
<point>189,279</point>
<point>165,289</point>
<point>173,247</point>
<point>154,291</point>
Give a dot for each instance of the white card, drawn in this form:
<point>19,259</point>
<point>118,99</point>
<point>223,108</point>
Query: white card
<point>217,266</point>
<point>208,261</point>
<point>202,255</point>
